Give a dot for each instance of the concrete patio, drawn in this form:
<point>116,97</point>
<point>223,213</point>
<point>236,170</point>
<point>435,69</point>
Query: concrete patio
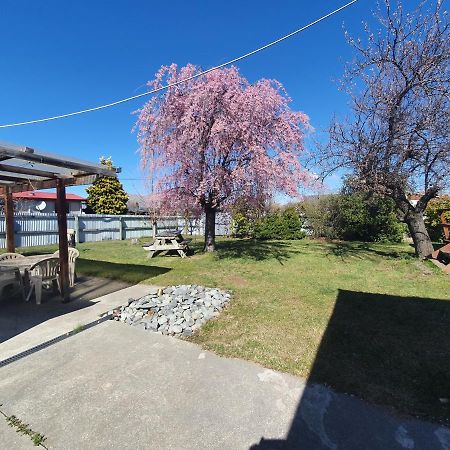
<point>118,387</point>
<point>25,325</point>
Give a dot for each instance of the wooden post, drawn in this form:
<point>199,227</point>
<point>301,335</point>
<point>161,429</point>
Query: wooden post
<point>61,204</point>
<point>121,228</point>
<point>9,218</point>
<point>77,229</point>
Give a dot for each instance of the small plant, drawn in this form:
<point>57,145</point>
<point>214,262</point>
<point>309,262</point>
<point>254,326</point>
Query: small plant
<point>25,429</point>
<point>78,328</point>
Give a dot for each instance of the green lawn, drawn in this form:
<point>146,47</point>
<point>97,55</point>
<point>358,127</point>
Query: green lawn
<point>365,319</point>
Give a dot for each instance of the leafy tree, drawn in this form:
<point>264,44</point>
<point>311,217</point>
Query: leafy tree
<point>217,138</point>
<point>397,141</point>
<point>106,195</point>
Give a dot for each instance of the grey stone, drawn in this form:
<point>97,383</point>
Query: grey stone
<point>162,320</point>
<point>177,329</point>
<point>173,303</point>
<point>209,315</point>
<point>139,324</point>
<point>180,309</point>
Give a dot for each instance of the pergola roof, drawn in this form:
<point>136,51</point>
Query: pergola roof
<point>27,169</point>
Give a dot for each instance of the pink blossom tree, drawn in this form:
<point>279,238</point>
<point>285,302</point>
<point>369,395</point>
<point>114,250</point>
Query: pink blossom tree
<point>218,138</point>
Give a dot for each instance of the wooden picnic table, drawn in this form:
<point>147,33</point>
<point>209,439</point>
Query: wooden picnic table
<point>168,242</point>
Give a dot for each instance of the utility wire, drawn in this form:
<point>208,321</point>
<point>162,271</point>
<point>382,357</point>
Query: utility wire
<point>153,91</point>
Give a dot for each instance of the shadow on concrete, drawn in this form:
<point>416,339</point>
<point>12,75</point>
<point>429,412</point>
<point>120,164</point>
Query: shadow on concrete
<point>16,316</point>
<point>391,351</point>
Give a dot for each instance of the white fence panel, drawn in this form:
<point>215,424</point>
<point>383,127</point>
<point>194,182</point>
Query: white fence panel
<point>136,227</point>
<point>94,228</point>
<point>42,229</point>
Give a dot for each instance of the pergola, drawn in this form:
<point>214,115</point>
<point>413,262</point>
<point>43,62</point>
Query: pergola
<point>28,169</point>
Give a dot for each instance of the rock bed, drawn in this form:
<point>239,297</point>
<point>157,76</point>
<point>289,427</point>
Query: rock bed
<point>175,310</point>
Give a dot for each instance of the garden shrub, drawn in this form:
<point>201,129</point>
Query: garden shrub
<point>284,225</point>
<point>353,216</point>
<point>361,217</point>
<point>320,214</point>
<point>433,217</point>
<point>244,225</point>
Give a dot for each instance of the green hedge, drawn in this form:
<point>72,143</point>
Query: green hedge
<point>354,216</point>
<point>282,225</point>
<point>361,217</point>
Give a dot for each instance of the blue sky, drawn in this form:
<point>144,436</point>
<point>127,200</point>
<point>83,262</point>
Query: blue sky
<point>63,56</point>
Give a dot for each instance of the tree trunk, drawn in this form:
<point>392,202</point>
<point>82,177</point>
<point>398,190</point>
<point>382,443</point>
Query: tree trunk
<point>419,234</point>
<point>210,229</point>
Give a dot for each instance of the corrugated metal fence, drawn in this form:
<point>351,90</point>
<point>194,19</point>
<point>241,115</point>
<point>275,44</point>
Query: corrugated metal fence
<point>42,229</point>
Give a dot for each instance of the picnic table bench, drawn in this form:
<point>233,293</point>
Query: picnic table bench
<point>168,242</point>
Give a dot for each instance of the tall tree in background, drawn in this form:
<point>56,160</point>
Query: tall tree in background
<point>218,138</point>
<point>397,140</point>
<point>107,195</point>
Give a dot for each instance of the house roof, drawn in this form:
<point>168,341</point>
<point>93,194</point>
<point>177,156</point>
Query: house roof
<point>36,195</point>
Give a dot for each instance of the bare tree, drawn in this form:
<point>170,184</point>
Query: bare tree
<point>397,139</point>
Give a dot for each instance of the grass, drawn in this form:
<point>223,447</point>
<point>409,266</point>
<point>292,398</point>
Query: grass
<point>370,320</point>
<point>21,427</point>
<point>78,328</point>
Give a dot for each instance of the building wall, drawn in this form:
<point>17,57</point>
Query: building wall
<point>29,206</point>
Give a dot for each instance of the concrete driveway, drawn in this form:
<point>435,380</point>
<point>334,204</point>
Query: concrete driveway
<point>118,387</point>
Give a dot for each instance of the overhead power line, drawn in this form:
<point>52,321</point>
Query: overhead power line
<point>153,91</point>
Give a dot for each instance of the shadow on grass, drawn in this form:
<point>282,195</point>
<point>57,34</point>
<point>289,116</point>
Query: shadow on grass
<point>129,273</point>
<point>364,249</point>
<point>388,350</point>
<point>256,250</point>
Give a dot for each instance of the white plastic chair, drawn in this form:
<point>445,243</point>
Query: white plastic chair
<point>9,256</point>
<point>73,255</point>
<point>43,272</point>
<point>10,276</point>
